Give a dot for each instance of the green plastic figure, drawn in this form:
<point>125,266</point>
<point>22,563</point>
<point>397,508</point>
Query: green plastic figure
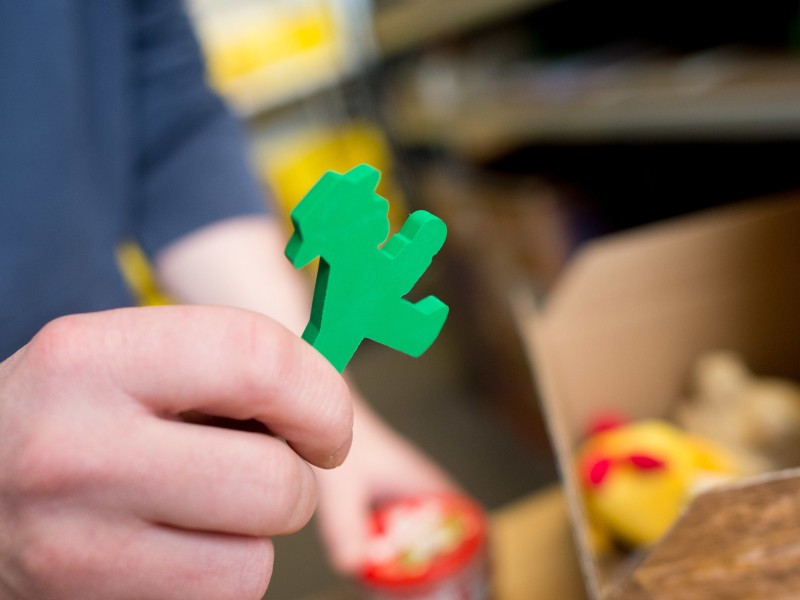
<point>360,284</point>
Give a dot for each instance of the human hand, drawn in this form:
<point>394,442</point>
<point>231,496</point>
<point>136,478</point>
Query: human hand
<point>382,465</point>
<point>107,493</point>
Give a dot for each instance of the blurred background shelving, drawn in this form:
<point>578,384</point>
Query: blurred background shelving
<point>406,25</point>
<point>530,127</point>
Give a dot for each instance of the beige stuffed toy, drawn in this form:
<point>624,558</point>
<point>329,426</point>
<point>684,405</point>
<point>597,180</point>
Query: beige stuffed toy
<point>756,418</point>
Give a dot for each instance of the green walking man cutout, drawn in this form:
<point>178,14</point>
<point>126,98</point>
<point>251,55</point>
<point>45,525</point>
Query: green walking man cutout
<point>360,287</point>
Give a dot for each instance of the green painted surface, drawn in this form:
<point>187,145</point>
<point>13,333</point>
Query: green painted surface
<point>361,281</point>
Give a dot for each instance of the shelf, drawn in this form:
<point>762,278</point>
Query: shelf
<point>403,25</point>
<point>741,99</point>
<point>279,88</point>
<point>266,56</point>
<point>397,26</point>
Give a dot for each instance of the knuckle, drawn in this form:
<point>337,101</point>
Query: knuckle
<point>60,344</point>
<point>301,500</point>
<point>50,561</point>
<point>288,486</point>
<point>264,360</point>
<point>54,460</point>
<point>37,470</point>
<point>255,572</point>
<point>39,560</point>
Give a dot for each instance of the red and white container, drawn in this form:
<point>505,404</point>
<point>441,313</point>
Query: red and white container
<point>428,548</point>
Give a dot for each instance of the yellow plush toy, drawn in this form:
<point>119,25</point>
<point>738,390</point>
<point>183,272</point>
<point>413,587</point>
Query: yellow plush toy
<point>637,477</point>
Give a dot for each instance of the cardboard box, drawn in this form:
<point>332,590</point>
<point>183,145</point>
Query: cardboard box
<point>622,329</point>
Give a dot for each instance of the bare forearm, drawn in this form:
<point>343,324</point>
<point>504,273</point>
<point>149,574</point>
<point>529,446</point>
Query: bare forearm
<point>238,262</point>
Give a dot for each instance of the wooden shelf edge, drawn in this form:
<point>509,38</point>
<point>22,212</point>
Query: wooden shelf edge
<point>402,26</point>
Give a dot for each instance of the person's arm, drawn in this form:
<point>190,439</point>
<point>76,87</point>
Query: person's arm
<point>237,262</point>
<point>240,262</point>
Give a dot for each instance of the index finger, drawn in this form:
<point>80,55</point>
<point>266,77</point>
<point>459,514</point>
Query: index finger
<point>224,362</point>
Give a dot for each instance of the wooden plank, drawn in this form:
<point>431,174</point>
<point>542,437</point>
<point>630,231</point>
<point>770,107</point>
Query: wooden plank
<point>740,542</point>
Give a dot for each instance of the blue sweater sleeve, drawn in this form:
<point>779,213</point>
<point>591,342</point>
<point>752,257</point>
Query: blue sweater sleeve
<point>193,160</point>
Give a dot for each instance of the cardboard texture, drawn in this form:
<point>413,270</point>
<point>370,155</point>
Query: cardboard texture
<point>621,330</point>
<point>532,551</point>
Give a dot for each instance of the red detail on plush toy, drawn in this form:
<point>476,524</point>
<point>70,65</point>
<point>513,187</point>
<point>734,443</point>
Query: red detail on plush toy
<point>597,470</point>
<point>645,462</point>
<point>606,422</point>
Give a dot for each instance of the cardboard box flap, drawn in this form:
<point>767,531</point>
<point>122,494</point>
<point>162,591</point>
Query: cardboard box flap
<point>709,248</point>
<point>631,314</point>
